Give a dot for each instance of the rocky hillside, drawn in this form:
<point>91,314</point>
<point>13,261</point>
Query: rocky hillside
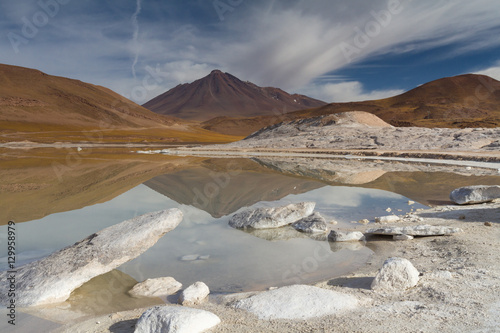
<point>224,95</point>
<point>455,102</point>
<point>362,130</point>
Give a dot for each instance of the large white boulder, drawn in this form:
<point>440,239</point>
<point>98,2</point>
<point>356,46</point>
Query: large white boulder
<point>475,194</point>
<point>273,217</point>
<point>175,319</point>
<point>159,287</point>
<point>397,274</point>
<point>194,294</point>
<point>53,278</point>
<point>297,302</point>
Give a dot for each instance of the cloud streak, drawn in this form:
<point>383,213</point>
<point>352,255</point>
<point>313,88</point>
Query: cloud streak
<point>135,36</point>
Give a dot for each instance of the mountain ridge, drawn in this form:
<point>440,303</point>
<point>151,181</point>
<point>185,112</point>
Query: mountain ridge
<point>468,100</point>
<point>222,94</point>
<point>39,107</point>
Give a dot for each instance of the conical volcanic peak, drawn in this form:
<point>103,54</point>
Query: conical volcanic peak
<point>224,95</point>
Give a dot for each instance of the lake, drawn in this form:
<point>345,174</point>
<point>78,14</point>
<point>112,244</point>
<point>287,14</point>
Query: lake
<point>60,196</point>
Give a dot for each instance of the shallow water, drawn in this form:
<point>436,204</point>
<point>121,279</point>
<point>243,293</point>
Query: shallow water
<point>104,190</point>
<point>231,260</point>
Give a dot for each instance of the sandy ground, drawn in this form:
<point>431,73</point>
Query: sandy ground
<point>469,301</point>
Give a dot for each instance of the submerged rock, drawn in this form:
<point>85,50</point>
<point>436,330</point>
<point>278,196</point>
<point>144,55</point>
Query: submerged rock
<point>160,287</point>
<point>297,302</point>
<point>345,236</point>
<point>419,230</point>
<point>53,278</point>
<point>397,274</point>
<point>170,319</point>
<point>311,224</point>
<point>475,194</point>
<point>194,294</point>
<point>274,217</point>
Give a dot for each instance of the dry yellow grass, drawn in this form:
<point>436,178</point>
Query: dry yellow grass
<point>38,107</point>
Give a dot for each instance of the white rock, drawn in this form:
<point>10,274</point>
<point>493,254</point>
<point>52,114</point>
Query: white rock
<point>402,237</point>
<point>190,257</point>
<point>159,287</point>
<point>175,319</point>
<point>53,278</point>
<point>310,224</point>
<point>410,202</point>
<point>274,217</point>
<point>297,302</point>
<point>194,294</point>
<point>345,236</point>
<point>364,221</point>
<point>387,219</point>
<point>475,194</point>
<point>419,230</point>
<point>397,274</point>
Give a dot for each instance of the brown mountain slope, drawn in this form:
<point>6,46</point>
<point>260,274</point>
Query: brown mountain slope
<point>462,101</point>
<point>40,107</point>
<point>224,95</point>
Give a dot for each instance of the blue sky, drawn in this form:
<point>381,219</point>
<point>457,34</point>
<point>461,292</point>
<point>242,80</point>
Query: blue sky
<point>328,49</point>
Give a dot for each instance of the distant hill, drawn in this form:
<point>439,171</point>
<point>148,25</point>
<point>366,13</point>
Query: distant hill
<point>224,95</point>
<point>458,102</point>
<point>40,107</point>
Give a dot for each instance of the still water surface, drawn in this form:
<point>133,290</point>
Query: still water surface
<point>54,211</point>
<point>230,259</point>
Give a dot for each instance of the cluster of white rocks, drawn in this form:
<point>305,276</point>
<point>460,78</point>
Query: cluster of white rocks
<point>69,268</point>
<point>302,302</point>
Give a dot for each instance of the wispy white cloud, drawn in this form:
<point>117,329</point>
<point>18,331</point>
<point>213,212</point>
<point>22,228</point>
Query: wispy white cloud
<point>493,71</point>
<point>135,36</point>
<point>349,91</point>
<point>289,48</point>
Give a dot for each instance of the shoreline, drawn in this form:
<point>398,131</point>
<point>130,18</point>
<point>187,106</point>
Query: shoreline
<point>459,288</point>
<point>490,160</point>
<point>468,302</point>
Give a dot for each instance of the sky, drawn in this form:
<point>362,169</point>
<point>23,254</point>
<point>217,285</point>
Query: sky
<point>333,50</point>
